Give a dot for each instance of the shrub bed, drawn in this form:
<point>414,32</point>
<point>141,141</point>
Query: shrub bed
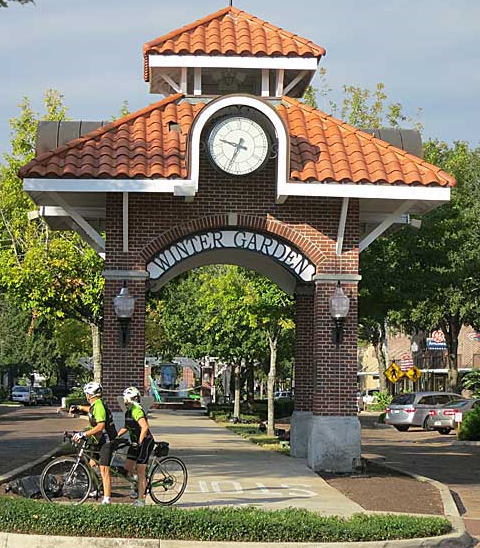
<point>283,408</point>
<point>225,524</point>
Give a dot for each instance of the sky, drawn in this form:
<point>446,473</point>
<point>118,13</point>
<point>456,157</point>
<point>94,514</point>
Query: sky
<point>427,53</point>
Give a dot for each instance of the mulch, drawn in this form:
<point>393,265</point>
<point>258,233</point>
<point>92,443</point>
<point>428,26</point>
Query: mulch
<point>383,490</point>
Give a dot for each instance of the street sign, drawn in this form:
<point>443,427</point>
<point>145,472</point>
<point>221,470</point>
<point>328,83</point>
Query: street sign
<point>435,345</point>
<point>394,373</point>
<point>414,374</point>
<point>458,416</point>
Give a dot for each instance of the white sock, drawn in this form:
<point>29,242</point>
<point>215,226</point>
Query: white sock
<point>106,499</point>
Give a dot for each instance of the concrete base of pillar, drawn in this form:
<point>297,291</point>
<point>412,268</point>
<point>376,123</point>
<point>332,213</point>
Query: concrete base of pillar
<point>300,426</point>
<point>334,444</point>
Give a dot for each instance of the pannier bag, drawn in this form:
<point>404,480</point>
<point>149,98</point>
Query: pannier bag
<point>161,449</point>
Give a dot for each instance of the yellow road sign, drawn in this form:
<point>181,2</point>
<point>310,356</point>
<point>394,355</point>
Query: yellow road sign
<point>414,374</point>
<point>394,373</point>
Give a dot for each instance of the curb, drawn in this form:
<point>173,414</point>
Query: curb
<point>470,443</point>
<point>14,540</point>
<point>17,471</point>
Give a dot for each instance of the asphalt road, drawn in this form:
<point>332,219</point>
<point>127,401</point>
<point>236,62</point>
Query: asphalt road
<point>432,455</point>
<point>27,433</point>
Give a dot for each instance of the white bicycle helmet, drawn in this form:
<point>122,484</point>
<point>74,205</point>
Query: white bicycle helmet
<point>93,389</point>
<point>131,394</point>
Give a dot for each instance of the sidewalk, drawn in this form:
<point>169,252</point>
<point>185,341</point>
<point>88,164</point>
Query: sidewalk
<point>224,469</point>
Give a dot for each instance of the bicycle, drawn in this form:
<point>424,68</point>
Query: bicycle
<point>72,479</point>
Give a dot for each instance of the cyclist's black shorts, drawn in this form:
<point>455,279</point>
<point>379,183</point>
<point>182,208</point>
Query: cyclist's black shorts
<point>106,452</point>
<point>141,453</point>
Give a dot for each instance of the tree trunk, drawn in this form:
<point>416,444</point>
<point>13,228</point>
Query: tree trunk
<point>236,404</point>
<point>451,330</point>
<point>381,357</point>
<point>250,382</point>
<point>96,352</point>
<point>272,373</point>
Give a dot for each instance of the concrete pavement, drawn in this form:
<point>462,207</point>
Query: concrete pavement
<point>224,469</point>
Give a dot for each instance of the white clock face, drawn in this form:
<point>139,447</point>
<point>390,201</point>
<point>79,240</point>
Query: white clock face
<point>238,145</point>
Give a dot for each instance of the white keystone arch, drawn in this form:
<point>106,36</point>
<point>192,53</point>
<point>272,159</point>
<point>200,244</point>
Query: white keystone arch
<point>283,167</point>
<point>273,257</point>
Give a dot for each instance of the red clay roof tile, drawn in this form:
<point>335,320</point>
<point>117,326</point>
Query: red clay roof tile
<point>230,31</point>
<point>322,148</point>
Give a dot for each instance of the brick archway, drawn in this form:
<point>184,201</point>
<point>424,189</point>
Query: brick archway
<point>268,225</point>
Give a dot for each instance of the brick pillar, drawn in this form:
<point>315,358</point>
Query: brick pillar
<point>123,366</point>
<point>334,442</point>
<point>304,368</point>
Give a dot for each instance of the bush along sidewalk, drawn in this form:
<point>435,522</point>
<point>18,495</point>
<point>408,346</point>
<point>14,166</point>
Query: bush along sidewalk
<point>225,524</point>
<point>253,434</point>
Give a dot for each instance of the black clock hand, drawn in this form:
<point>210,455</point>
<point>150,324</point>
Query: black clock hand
<point>234,144</point>
<point>229,143</point>
<point>237,150</point>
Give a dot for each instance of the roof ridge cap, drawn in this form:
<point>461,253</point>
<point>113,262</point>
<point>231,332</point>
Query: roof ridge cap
<point>100,131</point>
<point>186,28</point>
<point>368,136</point>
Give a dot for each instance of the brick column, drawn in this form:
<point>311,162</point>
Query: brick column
<point>304,369</point>
<point>123,366</point>
<point>334,442</point>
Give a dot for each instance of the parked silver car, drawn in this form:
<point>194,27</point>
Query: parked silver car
<point>443,419</point>
<point>24,394</point>
<point>412,409</point>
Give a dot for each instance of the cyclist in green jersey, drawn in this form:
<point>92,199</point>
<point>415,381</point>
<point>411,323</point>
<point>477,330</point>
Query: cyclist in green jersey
<point>101,426</point>
<point>142,442</point>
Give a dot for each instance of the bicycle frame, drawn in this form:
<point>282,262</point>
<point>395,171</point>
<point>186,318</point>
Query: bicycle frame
<point>87,456</point>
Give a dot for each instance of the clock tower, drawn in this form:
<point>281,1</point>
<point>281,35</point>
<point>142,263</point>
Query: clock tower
<point>228,166</point>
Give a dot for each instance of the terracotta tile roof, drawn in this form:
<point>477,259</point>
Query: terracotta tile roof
<point>323,148</point>
<point>139,145</point>
<point>230,31</point>
<point>145,145</point>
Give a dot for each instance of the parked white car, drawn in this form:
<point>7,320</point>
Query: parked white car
<point>24,394</point>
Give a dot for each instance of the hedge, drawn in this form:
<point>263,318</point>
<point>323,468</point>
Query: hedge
<point>283,408</point>
<point>75,400</point>
<point>224,524</point>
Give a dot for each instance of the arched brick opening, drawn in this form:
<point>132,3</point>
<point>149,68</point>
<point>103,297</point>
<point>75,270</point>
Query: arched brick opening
<point>268,225</point>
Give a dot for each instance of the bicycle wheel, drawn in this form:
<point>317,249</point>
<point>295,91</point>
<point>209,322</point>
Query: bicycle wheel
<point>167,481</point>
<point>65,480</point>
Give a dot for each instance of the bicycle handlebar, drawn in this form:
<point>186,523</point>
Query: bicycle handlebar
<point>119,443</point>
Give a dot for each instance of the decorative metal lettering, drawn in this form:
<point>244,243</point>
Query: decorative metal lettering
<point>193,245</point>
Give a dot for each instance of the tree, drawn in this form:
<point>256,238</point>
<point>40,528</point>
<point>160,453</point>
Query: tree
<point>51,275</point>
<point>273,312</point>
<point>443,257</point>
<point>4,3</point>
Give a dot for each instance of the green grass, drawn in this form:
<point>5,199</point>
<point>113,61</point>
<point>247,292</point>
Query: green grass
<point>253,434</point>
<point>225,524</point>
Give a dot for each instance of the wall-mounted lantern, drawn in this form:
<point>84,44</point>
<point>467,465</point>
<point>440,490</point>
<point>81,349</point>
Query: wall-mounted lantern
<point>124,305</point>
<point>339,305</point>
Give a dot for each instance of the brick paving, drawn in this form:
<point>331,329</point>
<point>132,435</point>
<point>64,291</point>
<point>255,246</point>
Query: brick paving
<point>434,456</point>
<point>27,433</point>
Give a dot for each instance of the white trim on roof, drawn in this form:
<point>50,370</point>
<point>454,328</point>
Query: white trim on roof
<point>180,187</point>
<point>233,61</point>
<point>370,190</point>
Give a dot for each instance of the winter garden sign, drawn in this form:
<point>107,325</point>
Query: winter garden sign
<point>218,240</point>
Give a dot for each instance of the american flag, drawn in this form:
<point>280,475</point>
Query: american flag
<point>406,362</point>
